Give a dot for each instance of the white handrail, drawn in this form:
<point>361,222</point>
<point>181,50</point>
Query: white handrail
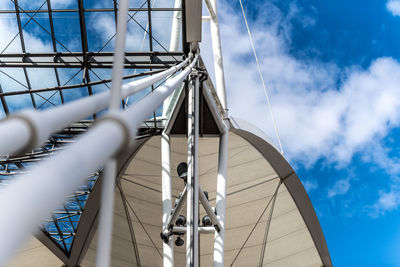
<point>30,198</point>
<point>31,128</point>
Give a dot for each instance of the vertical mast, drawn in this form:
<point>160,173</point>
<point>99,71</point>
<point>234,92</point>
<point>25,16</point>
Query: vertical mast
<point>217,52</point>
<point>192,207</point>
<point>168,248</point>
<point>219,239</point>
<point>174,42</point>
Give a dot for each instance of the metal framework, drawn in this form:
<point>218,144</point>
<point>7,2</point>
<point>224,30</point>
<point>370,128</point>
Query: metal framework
<point>85,64</point>
<point>175,76</point>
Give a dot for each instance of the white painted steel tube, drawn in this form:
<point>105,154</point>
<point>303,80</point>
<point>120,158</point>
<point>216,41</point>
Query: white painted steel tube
<point>174,42</point>
<point>30,198</point>
<point>14,134</point>
<point>219,238</point>
<point>168,248</point>
<point>106,218</point>
<point>178,208</point>
<point>192,206</point>
<point>217,52</point>
<point>196,239</point>
<point>36,194</point>
<point>189,185</point>
<point>105,229</point>
<point>209,210</point>
<point>202,230</point>
<point>119,55</point>
<point>176,28</point>
<point>46,122</point>
<point>158,95</point>
<point>210,8</point>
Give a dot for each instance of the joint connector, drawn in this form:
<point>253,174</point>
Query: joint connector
<point>119,119</point>
<point>38,132</point>
<point>165,236</point>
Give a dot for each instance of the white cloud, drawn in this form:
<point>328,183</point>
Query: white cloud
<point>387,201</point>
<point>310,185</point>
<point>323,111</point>
<point>394,7</point>
<point>341,187</point>
<point>317,118</point>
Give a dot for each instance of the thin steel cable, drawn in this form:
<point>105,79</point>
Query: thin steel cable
<point>261,77</point>
<point>130,224</point>
<point>141,224</point>
<point>264,246</point>
<point>259,219</point>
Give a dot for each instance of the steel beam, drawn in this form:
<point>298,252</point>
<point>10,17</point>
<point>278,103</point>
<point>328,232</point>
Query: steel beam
<point>209,210</point>
<point>82,24</point>
<point>174,42</point>
<point>67,170</point>
<point>153,9</point>
<point>217,52</point>
<point>3,101</point>
<point>168,248</point>
<point>202,230</point>
<point>21,38</point>
<point>192,207</point>
<point>53,39</point>
<point>219,239</point>
<point>177,209</point>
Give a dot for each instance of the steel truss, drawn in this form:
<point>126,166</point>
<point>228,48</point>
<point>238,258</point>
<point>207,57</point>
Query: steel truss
<point>86,62</point>
<point>61,227</point>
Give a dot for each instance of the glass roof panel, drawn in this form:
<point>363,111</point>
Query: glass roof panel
<point>100,31</point>
<point>18,102</point>
<point>37,32</point>
<point>9,41</point>
<point>67,31</point>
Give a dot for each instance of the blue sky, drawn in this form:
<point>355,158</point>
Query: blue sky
<point>333,72</point>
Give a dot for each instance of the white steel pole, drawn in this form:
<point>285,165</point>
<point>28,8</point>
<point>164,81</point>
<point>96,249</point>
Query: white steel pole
<point>192,207</point>
<point>168,248</point>
<point>31,128</point>
<point>217,52</point>
<point>14,134</point>
<point>219,238</point>
<point>174,42</point>
<point>176,27</point>
<point>105,229</point>
<point>30,198</point>
<point>28,195</point>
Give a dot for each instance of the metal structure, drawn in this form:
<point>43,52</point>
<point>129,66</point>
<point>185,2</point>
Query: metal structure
<point>105,102</point>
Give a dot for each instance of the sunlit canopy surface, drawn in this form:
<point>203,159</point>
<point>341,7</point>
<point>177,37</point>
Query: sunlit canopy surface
<point>261,209</point>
